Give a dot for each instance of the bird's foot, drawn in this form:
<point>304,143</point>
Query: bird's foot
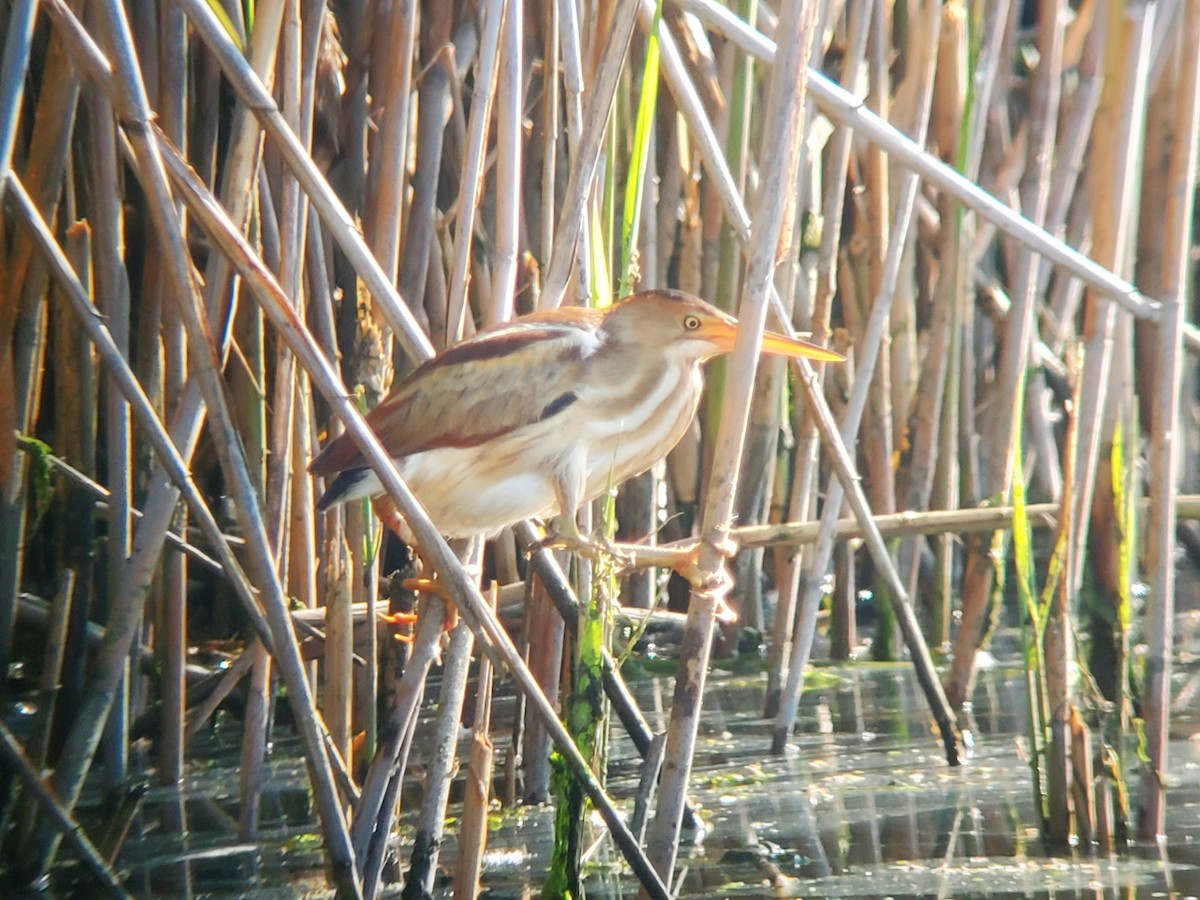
<point>422,585</point>
<point>398,621</point>
<point>712,583</point>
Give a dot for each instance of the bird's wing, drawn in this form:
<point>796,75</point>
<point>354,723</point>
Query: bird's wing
<point>481,389</point>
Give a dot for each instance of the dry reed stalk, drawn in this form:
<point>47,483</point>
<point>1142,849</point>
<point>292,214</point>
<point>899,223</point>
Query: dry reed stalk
<point>443,760</point>
<point>471,181</point>
<point>1113,179</point>
<point>17,43</point>
<point>255,725</point>
<point>388,145</point>
<point>780,156</point>
<point>1078,123</point>
<point>545,661</point>
<point>472,832</point>
<point>434,101</point>
<point>1165,447</point>
<point>112,293</point>
<point>876,427</point>
<point>510,103</point>
<point>471,185</point>
<point>934,424</point>
<point>551,129</point>
<point>52,661</point>
<point>339,644</point>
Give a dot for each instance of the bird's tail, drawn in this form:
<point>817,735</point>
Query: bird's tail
<point>342,488</point>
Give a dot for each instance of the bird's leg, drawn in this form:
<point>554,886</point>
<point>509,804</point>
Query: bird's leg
<point>389,515</point>
<point>438,588</point>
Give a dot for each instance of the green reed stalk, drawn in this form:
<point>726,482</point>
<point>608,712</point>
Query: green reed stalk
<point>631,212</point>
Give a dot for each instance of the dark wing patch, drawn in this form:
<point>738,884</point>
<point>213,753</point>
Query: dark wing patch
<point>557,405</point>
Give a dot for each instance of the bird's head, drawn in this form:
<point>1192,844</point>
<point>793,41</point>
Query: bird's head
<point>678,323</point>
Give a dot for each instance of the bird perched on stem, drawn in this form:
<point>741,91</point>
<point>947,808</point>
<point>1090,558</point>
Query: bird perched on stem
<point>539,415</point>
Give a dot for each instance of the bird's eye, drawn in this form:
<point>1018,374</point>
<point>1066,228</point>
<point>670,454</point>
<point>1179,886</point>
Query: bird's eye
<point>691,323</point>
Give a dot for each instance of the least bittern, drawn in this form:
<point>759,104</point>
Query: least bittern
<point>542,414</point>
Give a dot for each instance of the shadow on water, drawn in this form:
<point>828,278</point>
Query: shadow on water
<point>861,805</point>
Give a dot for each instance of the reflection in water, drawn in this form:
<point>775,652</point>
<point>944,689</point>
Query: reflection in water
<point>861,805</point>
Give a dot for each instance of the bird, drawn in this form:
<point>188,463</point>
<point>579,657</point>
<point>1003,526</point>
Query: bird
<point>539,415</point>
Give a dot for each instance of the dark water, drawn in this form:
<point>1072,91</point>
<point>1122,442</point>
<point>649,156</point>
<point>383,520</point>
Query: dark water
<point>862,805</point>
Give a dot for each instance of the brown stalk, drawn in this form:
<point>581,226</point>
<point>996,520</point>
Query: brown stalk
<point>339,644</point>
<point>1113,178</point>
<point>386,174</point>
<point>875,433</point>
<point>17,43</point>
<point>1165,442</point>
<point>472,833</point>
<point>376,809</point>
<point>510,103</point>
<point>252,763</point>
<point>471,181</point>
<point>171,644</point>
<point>545,661</point>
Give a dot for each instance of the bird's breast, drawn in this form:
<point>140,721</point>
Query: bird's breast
<point>626,436</point>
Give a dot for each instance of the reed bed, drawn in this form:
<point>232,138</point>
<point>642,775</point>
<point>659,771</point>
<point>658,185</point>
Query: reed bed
<point>228,228</point>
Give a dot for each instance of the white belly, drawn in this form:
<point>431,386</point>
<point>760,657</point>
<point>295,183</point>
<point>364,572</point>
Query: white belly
<point>480,496</point>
